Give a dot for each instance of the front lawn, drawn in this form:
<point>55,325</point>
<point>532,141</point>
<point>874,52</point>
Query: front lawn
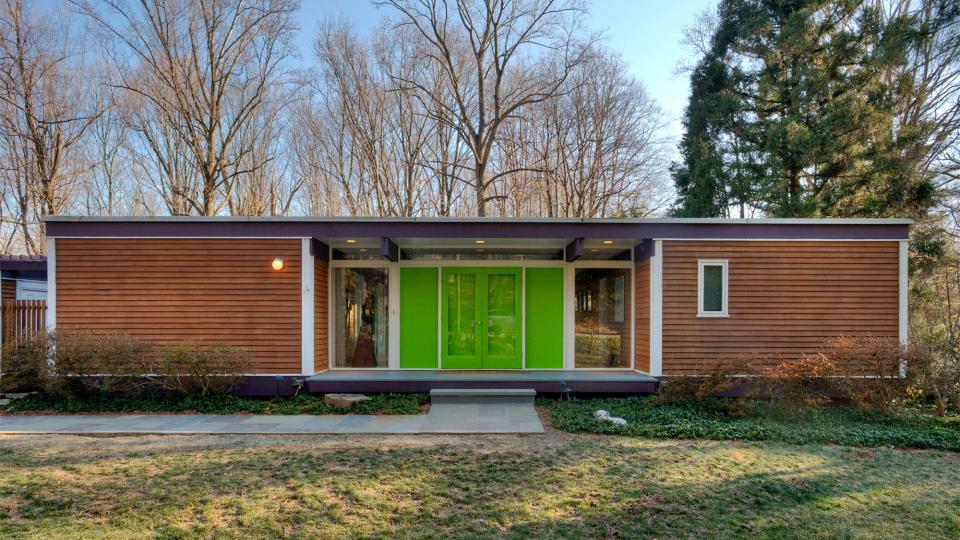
<point>740,419</point>
<point>302,404</point>
<point>555,485</point>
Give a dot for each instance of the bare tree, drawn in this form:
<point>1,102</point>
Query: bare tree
<point>204,70</point>
<point>267,188</point>
<point>487,58</point>
<point>594,150</point>
<point>371,136</point>
<point>46,107</point>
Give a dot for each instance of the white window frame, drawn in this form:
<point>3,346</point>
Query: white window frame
<point>569,305</point>
<point>725,302</point>
<point>393,311</point>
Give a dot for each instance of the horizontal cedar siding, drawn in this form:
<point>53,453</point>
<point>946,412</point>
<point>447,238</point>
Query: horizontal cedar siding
<point>166,291</point>
<point>785,299</point>
<point>8,289</point>
<point>320,317</point>
<point>642,301</point>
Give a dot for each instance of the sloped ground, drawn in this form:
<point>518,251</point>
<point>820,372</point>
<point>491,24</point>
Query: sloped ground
<point>550,485</point>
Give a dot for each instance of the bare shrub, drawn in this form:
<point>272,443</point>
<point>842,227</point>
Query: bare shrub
<point>196,368</point>
<point>88,362</point>
<point>804,380</point>
<point>868,369</point>
<point>717,380</point>
<point>24,365</point>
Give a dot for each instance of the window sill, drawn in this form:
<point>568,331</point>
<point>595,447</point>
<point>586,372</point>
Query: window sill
<point>713,315</point>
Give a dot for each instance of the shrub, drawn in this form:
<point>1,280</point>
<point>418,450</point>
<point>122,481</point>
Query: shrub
<point>868,369</point>
<point>87,362</point>
<point>805,380</point>
<point>195,368</point>
<point>933,370</point>
<point>718,379</point>
<point>25,364</point>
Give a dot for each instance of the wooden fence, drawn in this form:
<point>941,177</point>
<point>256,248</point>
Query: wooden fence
<point>23,319</point>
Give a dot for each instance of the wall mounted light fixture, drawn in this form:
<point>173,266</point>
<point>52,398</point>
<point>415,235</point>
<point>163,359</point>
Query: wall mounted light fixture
<point>277,263</point>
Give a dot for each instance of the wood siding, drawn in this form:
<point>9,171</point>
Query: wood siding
<point>8,289</point>
<point>321,331</point>
<point>786,298</point>
<point>641,293</point>
<point>169,290</point>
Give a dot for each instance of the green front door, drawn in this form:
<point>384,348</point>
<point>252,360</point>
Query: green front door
<point>481,318</point>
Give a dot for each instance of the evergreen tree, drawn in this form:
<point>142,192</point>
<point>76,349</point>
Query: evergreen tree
<point>793,110</point>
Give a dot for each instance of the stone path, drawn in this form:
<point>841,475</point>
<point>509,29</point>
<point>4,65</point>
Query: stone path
<point>442,418</point>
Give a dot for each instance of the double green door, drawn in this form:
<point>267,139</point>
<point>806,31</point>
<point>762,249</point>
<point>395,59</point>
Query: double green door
<point>481,318</point>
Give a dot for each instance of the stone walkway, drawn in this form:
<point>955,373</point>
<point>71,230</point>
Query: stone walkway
<point>442,418</point>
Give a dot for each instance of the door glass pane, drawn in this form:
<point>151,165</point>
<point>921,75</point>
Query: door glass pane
<point>502,314</point>
<point>461,314</point>
<point>361,317</point>
<point>713,288</point>
<point>602,316</point>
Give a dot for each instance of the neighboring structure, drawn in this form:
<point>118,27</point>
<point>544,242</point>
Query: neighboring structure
<point>23,277</point>
<point>411,303</point>
<point>23,293</point>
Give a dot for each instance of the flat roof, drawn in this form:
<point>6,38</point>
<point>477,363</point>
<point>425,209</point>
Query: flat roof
<point>501,220</point>
<point>331,228</point>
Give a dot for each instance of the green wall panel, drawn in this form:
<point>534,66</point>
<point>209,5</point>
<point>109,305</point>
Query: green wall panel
<point>418,317</point>
<point>544,311</point>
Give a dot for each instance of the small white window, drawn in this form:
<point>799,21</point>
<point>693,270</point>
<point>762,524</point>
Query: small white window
<point>711,288</point>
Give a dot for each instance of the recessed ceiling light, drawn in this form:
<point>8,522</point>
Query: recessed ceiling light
<point>608,242</point>
<point>351,241</point>
<point>480,241</point>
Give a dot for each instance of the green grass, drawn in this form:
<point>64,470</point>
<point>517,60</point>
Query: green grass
<point>546,486</point>
<point>730,419</point>
<point>302,404</point>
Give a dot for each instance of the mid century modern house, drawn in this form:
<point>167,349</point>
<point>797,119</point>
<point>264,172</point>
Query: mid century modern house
<point>399,304</point>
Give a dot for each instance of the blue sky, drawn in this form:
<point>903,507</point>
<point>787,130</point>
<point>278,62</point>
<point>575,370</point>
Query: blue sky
<point>646,33</point>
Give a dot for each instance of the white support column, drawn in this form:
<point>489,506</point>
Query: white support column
<point>656,310</point>
<point>903,309</point>
<point>569,316</point>
<point>393,316</point>
<point>306,307</point>
<point>51,284</point>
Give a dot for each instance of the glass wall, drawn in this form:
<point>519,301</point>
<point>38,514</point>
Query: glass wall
<point>360,315</point>
<point>602,317</point>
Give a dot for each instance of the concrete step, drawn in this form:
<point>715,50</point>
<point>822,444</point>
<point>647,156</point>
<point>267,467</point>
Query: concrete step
<point>482,395</point>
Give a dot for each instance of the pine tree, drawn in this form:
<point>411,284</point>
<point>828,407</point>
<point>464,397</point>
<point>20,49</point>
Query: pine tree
<point>793,110</point>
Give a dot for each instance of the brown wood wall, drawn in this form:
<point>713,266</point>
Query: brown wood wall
<point>785,299</point>
<point>642,302</point>
<point>321,315</point>
<point>168,290</point>
<point>8,289</point>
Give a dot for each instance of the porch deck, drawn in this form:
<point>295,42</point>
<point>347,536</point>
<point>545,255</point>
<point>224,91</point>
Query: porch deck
<point>544,382</point>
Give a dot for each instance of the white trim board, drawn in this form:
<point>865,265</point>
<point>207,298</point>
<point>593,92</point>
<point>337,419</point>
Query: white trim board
<point>51,284</point>
<point>656,309</point>
<point>307,342</point>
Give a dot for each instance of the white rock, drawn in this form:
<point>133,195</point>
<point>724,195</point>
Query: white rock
<point>604,416</point>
